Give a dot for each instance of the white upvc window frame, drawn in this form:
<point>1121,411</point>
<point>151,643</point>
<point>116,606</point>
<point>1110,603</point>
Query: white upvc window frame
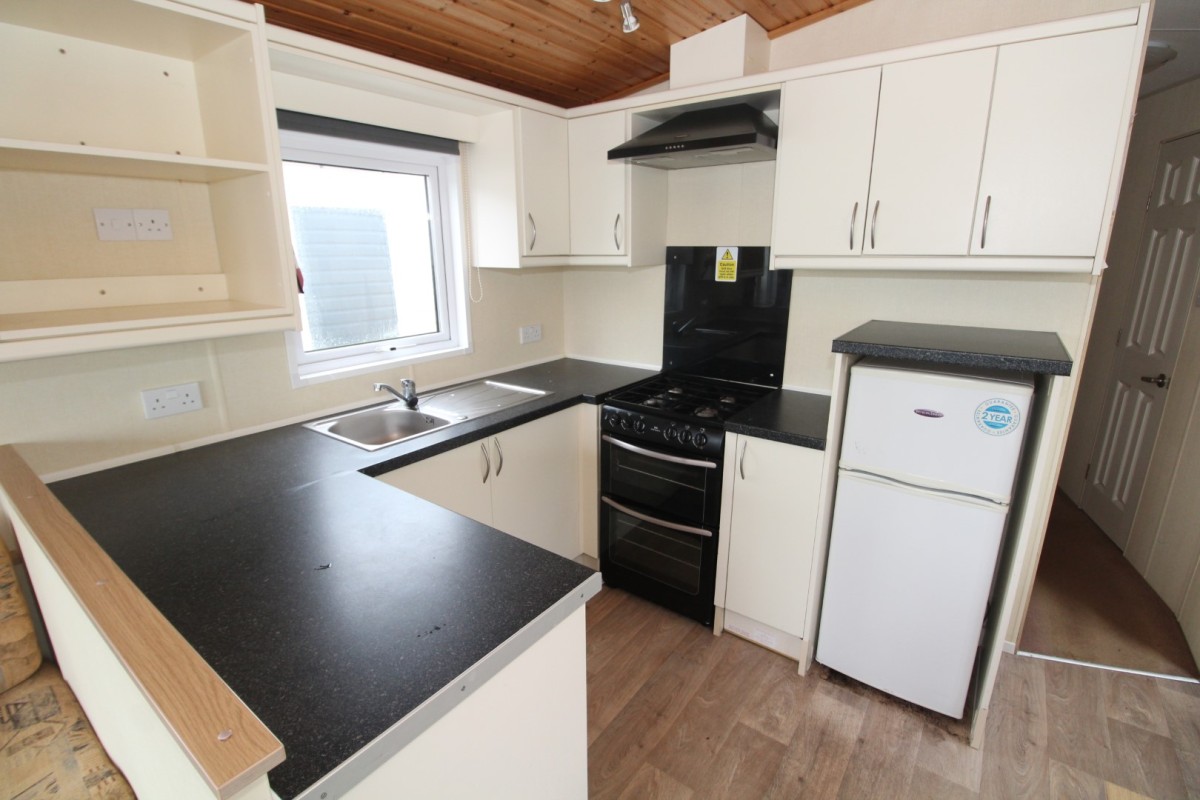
<point>444,186</point>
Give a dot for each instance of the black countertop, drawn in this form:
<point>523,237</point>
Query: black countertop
<point>331,603</point>
<point>791,417</point>
<point>1039,352</point>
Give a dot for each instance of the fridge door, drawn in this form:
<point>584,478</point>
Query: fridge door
<point>946,431</point>
<point>906,588</point>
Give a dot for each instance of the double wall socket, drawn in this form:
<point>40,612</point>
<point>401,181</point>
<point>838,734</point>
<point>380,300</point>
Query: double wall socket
<point>171,400</point>
<point>132,224</point>
<point>530,333</point>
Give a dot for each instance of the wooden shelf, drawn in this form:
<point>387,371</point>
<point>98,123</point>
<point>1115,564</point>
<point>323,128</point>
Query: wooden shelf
<point>74,322</point>
<point>82,160</point>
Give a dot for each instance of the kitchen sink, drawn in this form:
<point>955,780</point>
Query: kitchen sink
<point>476,399</point>
<point>382,426</point>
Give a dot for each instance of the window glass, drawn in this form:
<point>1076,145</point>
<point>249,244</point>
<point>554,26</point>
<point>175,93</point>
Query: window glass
<point>375,233</point>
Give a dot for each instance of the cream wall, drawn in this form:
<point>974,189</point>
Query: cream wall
<point>67,412</point>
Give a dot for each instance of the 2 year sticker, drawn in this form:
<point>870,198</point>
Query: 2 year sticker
<point>997,417</point>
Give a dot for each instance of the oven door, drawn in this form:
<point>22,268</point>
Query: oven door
<point>667,562</point>
<point>674,487</point>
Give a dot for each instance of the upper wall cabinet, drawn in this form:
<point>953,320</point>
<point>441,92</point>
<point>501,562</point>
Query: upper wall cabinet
<point>993,158</point>
<point>517,183</point>
<point>116,111</point>
<point>1055,123</point>
<point>883,161</point>
<point>618,211</point>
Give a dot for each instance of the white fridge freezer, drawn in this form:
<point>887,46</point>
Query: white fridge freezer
<point>925,479</point>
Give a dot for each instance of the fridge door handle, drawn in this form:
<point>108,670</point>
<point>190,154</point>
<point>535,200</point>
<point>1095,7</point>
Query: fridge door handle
<point>889,480</point>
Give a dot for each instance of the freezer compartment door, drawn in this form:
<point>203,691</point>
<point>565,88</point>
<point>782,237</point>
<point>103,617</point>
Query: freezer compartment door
<point>951,432</point>
<point>906,588</point>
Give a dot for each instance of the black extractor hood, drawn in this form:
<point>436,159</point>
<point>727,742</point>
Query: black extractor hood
<point>706,137</point>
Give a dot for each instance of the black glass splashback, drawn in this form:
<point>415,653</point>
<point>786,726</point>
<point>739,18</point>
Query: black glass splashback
<point>727,329</point>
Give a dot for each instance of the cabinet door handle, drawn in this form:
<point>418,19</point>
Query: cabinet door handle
<point>533,228</point>
<point>499,456</point>
<point>616,228</point>
<point>742,460</point>
<point>487,462</point>
<point>987,210</point>
<point>853,219</point>
<point>874,219</point>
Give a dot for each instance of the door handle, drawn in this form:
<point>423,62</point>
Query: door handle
<point>487,462</point>
<point>533,226</point>
<point>616,229</point>
<point>742,460</point>
<point>499,456</point>
<point>987,212</point>
<point>1161,380</point>
<point>874,219</point>
<point>853,219</point>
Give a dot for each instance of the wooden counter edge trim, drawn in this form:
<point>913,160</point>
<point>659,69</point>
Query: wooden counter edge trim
<point>190,698</point>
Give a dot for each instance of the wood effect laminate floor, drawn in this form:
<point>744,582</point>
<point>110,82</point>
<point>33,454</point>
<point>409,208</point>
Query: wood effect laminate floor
<point>675,712</point>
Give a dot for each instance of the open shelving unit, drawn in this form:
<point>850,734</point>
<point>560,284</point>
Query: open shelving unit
<point>137,104</point>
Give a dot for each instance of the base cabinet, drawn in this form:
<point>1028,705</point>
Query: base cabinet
<point>525,481</point>
<point>768,533</point>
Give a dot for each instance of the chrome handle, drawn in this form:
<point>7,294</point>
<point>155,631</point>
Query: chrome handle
<point>874,219</point>
<point>499,456</point>
<point>616,228</point>
<point>742,460</point>
<point>533,227</point>
<point>1161,380</point>
<point>633,448</point>
<point>987,210</point>
<point>487,469</point>
<point>853,219</point>
<point>675,526</point>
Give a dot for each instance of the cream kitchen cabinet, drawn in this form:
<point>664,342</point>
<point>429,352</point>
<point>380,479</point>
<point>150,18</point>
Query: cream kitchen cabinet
<point>882,161</point>
<point>1057,114</point>
<point>159,106</point>
<point>524,481</point>
<point>768,534</point>
<point>517,188</point>
<point>618,211</point>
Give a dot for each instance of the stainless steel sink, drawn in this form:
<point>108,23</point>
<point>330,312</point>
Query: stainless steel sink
<point>382,426</point>
<point>476,399</point>
<point>378,427</point>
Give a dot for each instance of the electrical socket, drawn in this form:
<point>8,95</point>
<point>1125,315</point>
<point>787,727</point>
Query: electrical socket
<point>171,400</point>
<point>114,224</point>
<point>152,224</point>
<point>530,333</point>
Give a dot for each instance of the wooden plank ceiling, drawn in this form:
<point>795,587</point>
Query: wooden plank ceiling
<point>565,52</point>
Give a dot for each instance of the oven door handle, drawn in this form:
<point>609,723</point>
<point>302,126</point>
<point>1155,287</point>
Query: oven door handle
<point>633,448</point>
<point>675,526</point>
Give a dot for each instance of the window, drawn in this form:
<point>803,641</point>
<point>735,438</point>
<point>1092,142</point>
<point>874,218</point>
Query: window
<point>376,232</point>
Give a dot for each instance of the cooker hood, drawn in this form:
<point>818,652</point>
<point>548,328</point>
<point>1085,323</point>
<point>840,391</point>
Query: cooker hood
<point>705,137</point>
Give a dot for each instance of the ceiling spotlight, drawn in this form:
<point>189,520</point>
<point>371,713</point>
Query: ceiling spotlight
<point>629,23</point>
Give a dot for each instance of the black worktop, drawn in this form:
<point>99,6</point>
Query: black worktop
<point>331,603</point>
<point>791,417</point>
<point>1040,352</point>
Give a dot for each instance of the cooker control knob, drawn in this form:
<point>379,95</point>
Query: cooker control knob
<point>699,439</point>
<point>672,433</point>
<point>623,421</point>
<point>639,425</point>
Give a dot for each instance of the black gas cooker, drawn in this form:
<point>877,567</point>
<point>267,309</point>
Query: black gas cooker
<point>679,411</point>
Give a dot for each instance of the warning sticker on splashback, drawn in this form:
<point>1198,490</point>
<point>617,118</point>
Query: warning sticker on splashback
<point>997,417</point>
<point>727,264</point>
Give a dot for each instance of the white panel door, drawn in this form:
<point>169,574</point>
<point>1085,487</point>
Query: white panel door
<point>1148,344</point>
<point>1051,143</point>
<point>823,167</point>
<point>933,114</point>
<point>598,186</point>
<point>772,532</point>
<point>545,222</point>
